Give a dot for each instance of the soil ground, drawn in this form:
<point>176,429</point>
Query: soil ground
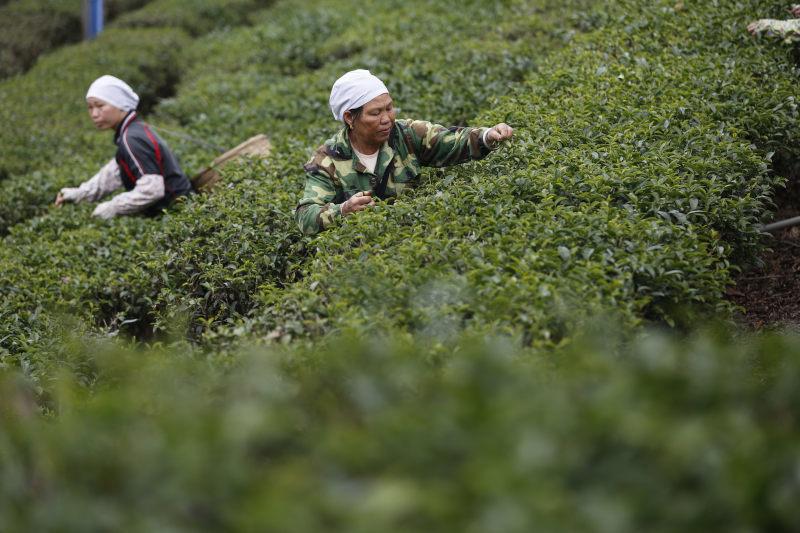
<point>770,294</point>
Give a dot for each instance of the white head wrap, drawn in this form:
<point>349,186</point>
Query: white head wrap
<point>114,91</point>
<point>353,90</point>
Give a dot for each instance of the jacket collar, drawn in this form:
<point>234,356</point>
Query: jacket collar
<point>130,117</point>
<point>340,148</point>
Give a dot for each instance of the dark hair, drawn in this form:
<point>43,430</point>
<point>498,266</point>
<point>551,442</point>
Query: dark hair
<point>355,113</point>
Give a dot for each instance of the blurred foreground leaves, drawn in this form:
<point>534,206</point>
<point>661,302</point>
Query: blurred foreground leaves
<point>662,435</point>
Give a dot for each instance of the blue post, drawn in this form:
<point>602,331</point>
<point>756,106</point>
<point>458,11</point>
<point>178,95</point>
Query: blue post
<point>94,18</point>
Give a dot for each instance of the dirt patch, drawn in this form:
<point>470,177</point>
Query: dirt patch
<point>770,294</point>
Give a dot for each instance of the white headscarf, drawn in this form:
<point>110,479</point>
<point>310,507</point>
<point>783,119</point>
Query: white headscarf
<point>353,90</point>
<point>114,91</point>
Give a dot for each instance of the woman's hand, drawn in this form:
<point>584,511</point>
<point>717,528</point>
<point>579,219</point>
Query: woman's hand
<point>358,202</point>
<point>795,10</point>
<point>60,200</point>
<point>757,27</point>
<point>499,133</point>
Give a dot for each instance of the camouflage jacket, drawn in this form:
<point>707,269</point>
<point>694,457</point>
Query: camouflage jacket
<point>335,173</point>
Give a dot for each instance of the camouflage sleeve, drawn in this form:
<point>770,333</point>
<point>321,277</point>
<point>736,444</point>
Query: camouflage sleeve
<point>437,146</point>
<point>316,211</point>
<point>787,30</point>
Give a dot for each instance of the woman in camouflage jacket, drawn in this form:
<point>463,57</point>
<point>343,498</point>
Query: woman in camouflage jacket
<point>375,155</point>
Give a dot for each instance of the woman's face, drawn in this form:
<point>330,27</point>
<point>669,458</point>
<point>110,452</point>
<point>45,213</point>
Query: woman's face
<point>376,121</point>
<point>104,115</point>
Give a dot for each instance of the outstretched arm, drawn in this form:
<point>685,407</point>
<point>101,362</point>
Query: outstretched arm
<point>149,190</point>
<point>437,146</point>
<point>786,30</point>
<point>101,184</point>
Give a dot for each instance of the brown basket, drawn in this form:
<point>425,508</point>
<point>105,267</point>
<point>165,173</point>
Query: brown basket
<point>258,146</point>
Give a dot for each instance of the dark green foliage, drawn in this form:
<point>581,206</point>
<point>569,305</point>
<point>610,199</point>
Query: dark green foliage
<point>641,164</point>
<point>194,16</point>
<point>30,27</point>
<point>664,436</point>
<point>639,170</point>
<point>115,8</point>
<point>194,262</point>
<point>216,251</point>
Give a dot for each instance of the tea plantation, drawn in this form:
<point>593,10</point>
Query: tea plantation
<point>479,355</point>
<point>30,27</point>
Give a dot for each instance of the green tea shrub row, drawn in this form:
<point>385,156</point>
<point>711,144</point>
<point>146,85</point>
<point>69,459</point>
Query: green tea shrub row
<point>67,272</point>
<point>259,94</point>
<point>639,166</point>
<point>48,140</point>
<point>195,16</point>
<point>695,435</point>
<point>204,261</point>
<point>276,75</point>
<point>30,27</point>
<point>639,170</point>
<point>149,59</point>
<point>44,108</point>
<point>214,253</point>
<point>180,273</point>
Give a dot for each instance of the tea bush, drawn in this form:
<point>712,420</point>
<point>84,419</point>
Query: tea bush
<point>30,27</point>
<point>639,170</point>
<point>48,140</point>
<point>194,16</point>
<point>443,367</point>
<point>207,259</point>
<point>667,435</point>
<point>150,60</point>
<point>276,76</point>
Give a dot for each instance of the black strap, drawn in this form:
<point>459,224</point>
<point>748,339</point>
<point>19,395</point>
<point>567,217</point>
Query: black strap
<point>380,187</point>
